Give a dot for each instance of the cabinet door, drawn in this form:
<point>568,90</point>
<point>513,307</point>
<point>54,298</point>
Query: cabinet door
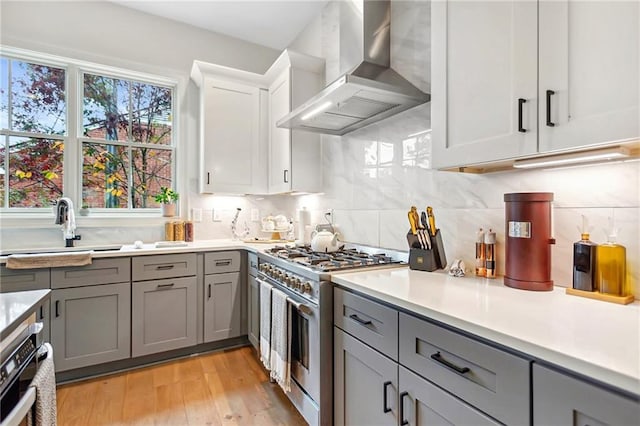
<point>163,315</point>
<point>90,325</point>
<point>231,114</point>
<point>425,404</point>
<point>254,311</point>
<point>484,61</point>
<point>589,59</point>
<point>279,139</point>
<point>222,306</point>
<point>365,384</point>
<point>560,400</point>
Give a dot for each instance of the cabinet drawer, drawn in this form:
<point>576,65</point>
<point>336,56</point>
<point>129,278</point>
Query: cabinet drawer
<point>23,279</point>
<point>559,399</point>
<point>221,262</point>
<point>371,322</point>
<point>101,271</point>
<point>163,266</point>
<point>488,378</point>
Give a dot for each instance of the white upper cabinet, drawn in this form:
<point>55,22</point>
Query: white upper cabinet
<point>513,79</point>
<point>588,73</point>
<point>484,62</point>
<point>233,131</point>
<point>295,157</point>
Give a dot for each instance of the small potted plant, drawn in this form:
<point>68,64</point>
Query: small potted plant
<point>84,210</point>
<point>167,198</point>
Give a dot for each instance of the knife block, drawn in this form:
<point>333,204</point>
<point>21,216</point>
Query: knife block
<point>427,259</point>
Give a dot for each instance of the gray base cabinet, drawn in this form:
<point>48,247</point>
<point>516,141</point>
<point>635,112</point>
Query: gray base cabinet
<point>365,384</point>
<point>163,315</point>
<point>560,400</point>
<point>90,325</point>
<point>222,306</point>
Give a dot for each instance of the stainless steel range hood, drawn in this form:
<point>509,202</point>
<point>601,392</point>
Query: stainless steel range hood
<point>368,93</point>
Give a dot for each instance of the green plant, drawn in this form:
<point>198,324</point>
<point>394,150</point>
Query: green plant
<point>166,195</point>
<point>85,205</point>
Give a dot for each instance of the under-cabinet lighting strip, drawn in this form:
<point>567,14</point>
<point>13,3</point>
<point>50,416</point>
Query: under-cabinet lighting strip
<point>574,158</point>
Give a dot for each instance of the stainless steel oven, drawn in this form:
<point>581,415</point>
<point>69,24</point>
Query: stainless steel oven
<point>19,365</point>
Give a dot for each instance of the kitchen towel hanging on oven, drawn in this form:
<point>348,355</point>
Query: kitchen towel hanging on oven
<point>265,323</point>
<point>280,339</point>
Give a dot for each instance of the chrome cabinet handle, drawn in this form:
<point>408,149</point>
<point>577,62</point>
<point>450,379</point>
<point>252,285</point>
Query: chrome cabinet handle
<point>438,358</point>
<point>356,318</point>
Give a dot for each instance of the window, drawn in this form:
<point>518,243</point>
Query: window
<point>126,143</point>
<point>33,116</point>
<point>109,148</point>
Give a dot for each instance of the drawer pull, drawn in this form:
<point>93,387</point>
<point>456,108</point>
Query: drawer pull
<point>549,94</point>
<point>165,267</point>
<point>521,102</point>
<point>403,421</point>
<point>438,358</point>
<point>165,286</point>
<point>223,263</point>
<point>209,292</point>
<point>385,403</point>
<point>41,312</point>
<point>57,308</point>
<point>360,320</point>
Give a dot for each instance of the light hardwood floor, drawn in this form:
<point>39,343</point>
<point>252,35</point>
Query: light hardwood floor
<point>227,387</point>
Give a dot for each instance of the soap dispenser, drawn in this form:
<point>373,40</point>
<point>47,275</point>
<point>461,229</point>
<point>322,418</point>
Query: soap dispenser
<point>584,260</point>
<point>611,267</point>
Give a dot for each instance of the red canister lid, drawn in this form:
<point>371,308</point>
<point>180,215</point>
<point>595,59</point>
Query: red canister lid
<point>529,196</point>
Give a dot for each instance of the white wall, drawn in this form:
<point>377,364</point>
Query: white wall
<point>372,178</point>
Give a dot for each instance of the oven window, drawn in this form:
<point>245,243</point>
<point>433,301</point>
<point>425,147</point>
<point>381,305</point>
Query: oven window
<point>299,338</point>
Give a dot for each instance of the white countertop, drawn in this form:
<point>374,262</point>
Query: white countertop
<point>597,339</point>
<point>16,307</point>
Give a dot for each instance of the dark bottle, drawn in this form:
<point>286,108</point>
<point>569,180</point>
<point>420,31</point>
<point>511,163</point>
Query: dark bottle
<point>584,264</point>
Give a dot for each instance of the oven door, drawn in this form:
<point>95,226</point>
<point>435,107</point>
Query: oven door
<point>305,350</point>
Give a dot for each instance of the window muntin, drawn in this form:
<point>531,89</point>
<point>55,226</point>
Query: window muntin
<point>133,122</point>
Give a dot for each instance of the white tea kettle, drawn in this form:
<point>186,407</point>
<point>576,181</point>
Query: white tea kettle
<point>324,241</point>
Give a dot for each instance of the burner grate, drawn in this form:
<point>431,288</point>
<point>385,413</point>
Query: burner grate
<point>326,262</point>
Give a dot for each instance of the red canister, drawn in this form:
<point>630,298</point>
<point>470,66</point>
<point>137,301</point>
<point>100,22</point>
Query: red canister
<point>528,240</point>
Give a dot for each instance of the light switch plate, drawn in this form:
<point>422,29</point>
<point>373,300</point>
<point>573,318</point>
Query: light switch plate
<point>255,215</point>
<point>196,215</point>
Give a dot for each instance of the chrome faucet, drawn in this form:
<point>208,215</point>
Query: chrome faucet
<point>66,217</point>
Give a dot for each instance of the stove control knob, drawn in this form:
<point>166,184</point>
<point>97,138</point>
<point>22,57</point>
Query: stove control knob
<point>296,282</point>
<point>306,288</point>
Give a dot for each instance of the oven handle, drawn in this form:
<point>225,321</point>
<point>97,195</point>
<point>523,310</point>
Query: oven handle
<point>305,309</point>
<point>19,412</point>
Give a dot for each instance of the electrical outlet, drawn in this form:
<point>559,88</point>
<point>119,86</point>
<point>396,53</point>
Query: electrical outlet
<point>255,215</point>
<point>196,215</point>
<point>216,215</point>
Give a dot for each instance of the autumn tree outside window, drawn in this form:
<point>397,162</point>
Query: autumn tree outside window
<point>116,138</point>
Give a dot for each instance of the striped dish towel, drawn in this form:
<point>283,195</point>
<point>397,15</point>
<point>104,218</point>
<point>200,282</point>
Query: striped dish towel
<point>280,338</point>
<point>265,323</point>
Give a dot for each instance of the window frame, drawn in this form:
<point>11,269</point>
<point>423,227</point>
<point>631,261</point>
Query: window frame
<point>74,140</point>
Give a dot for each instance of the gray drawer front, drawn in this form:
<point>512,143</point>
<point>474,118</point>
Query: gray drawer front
<point>220,262</point>
<point>253,264</point>
<point>163,266</point>
<point>496,383</point>
<point>23,279</point>
<point>101,271</point>
<point>371,322</point>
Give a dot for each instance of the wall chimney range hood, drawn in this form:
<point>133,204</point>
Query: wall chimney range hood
<point>371,91</point>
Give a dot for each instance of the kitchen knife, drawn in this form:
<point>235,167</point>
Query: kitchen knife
<point>425,230</point>
<point>412,222</point>
<point>432,220</point>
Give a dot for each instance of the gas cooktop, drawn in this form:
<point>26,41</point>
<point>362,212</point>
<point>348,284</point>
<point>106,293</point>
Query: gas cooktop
<point>345,258</point>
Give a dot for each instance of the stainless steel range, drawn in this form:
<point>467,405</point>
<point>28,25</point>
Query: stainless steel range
<point>305,276</point>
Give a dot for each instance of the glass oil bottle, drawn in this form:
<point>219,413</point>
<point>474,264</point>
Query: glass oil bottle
<point>584,261</point>
<point>611,266</point>
<point>490,254</point>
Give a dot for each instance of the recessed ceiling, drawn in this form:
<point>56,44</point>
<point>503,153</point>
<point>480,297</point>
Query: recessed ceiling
<point>273,24</point>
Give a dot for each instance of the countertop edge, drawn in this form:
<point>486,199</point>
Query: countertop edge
<point>38,297</point>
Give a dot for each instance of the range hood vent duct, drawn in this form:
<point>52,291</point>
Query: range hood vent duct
<point>369,92</point>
